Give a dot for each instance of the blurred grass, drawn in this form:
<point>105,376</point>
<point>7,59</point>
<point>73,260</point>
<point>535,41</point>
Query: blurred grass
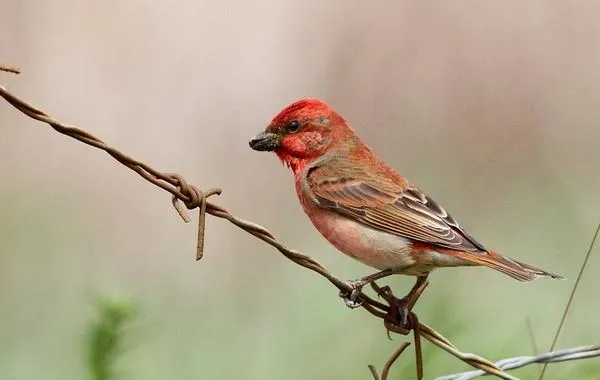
<point>109,332</point>
<point>292,326</point>
<point>106,336</point>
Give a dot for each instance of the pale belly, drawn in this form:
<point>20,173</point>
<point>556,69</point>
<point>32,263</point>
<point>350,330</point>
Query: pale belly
<point>375,248</point>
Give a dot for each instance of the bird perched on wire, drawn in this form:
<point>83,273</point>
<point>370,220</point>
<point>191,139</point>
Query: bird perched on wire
<point>365,208</point>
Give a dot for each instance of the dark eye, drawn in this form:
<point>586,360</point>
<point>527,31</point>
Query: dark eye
<point>292,126</point>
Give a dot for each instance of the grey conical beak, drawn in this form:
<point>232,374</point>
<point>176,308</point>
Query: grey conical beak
<point>265,141</point>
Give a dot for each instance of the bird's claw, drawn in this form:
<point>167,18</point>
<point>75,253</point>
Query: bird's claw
<point>385,292</point>
<point>352,297</point>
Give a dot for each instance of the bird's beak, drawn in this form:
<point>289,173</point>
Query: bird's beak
<point>265,141</point>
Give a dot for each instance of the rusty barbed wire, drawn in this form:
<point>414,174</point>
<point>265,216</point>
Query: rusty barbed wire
<point>388,364</point>
<point>10,69</point>
<point>192,197</point>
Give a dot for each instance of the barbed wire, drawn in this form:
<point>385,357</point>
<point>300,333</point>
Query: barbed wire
<point>10,69</point>
<point>190,196</point>
<point>583,352</point>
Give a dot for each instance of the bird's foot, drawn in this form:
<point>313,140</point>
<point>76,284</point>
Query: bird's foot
<point>401,307</point>
<point>384,292</point>
<point>352,297</point>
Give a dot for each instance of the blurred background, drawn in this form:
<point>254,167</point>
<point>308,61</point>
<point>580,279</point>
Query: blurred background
<point>490,107</point>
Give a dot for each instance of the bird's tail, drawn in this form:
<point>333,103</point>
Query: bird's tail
<point>513,268</point>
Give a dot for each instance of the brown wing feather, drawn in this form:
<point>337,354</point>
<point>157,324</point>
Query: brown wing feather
<point>381,203</point>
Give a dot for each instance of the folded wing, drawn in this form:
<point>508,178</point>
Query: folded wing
<point>380,201</point>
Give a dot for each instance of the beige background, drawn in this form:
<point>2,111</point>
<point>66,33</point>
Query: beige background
<point>491,107</point>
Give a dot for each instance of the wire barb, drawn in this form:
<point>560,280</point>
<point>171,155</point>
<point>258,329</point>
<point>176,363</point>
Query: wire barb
<point>192,197</point>
<point>10,69</point>
<point>388,364</point>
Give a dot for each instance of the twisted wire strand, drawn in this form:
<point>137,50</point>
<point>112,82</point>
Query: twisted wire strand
<point>575,353</point>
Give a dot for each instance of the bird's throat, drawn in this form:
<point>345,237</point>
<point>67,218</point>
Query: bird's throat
<point>294,163</point>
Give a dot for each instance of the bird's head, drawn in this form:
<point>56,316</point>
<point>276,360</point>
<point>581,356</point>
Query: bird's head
<point>302,132</point>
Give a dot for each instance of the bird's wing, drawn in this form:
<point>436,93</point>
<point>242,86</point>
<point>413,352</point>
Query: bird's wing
<point>378,199</point>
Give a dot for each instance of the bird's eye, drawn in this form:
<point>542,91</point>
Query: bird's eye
<point>292,126</point>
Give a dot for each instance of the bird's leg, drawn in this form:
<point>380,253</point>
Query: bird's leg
<point>405,304</point>
<point>351,298</point>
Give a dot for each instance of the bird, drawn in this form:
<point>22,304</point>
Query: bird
<point>366,209</point>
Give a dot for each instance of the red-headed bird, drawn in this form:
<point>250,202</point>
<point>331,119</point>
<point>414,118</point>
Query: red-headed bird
<point>364,207</point>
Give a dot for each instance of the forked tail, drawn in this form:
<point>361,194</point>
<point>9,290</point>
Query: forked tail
<point>513,268</point>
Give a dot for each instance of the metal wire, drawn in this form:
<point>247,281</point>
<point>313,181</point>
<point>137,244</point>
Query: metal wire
<point>10,69</point>
<point>571,297</point>
<point>576,353</point>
